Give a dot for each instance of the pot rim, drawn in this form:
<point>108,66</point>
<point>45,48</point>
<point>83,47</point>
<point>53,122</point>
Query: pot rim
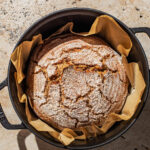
<point>83,10</point>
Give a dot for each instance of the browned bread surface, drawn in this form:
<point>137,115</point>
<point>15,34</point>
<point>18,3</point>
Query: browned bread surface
<point>74,81</point>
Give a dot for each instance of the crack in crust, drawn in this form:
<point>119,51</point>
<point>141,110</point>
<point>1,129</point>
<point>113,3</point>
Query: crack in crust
<point>75,81</point>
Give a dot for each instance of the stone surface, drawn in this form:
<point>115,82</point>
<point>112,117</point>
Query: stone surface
<point>17,15</point>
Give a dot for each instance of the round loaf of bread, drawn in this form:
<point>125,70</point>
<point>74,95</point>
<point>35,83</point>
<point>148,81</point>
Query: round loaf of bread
<point>75,81</point>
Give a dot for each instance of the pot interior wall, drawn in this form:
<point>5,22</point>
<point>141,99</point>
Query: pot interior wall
<point>82,19</point>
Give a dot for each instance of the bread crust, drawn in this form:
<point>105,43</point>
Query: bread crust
<point>75,81</point>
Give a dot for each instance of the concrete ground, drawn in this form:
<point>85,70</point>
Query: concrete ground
<point>17,15</point>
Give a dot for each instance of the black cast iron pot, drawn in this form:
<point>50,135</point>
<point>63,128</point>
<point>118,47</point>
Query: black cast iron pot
<point>82,18</point>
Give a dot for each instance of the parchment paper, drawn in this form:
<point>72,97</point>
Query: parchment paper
<point>107,28</point>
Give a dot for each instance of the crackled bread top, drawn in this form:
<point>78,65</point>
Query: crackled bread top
<point>74,81</point>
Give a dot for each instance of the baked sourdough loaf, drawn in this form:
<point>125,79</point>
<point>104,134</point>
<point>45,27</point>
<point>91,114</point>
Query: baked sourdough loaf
<point>74,81</point>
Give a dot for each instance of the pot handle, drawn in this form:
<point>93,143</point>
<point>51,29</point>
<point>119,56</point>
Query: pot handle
<point>141,29</point>
<point>3,120</point>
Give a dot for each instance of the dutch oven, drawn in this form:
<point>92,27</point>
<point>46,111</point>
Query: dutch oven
<point>83,19</point>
